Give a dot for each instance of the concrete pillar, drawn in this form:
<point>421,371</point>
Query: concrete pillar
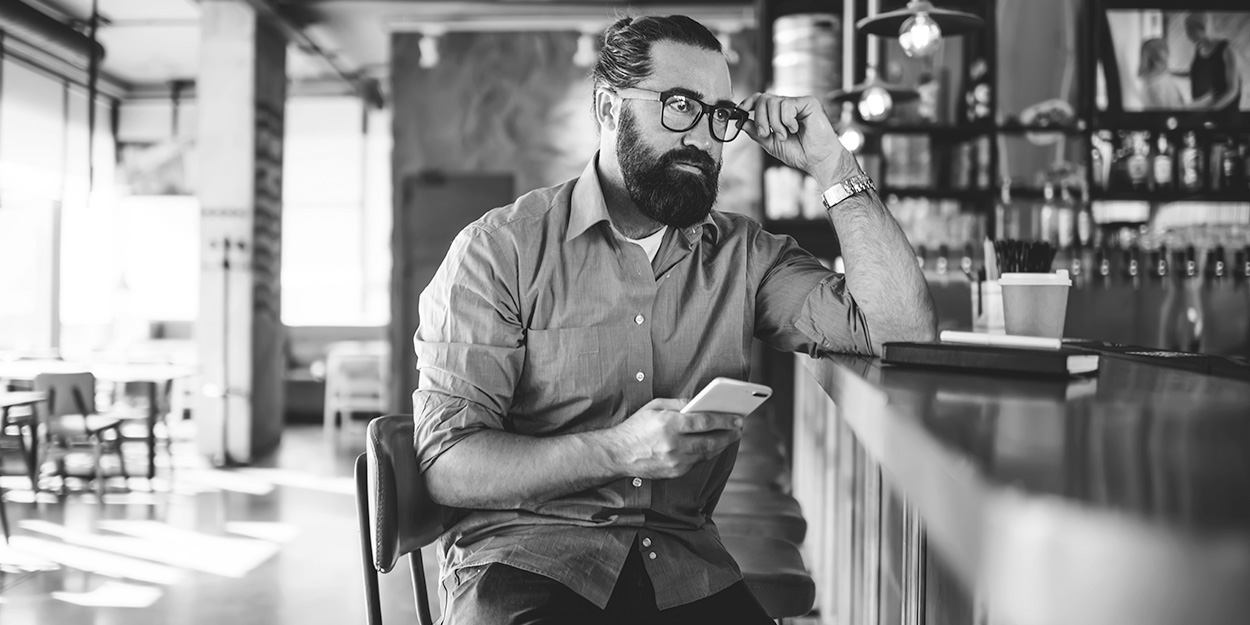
<point>241,92</point>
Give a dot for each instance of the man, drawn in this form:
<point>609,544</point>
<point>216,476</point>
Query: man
<point>560,330</point>
<point>1213,80</point>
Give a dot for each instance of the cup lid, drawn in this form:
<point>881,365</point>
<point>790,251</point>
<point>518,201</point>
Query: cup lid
<point>1059,278</point>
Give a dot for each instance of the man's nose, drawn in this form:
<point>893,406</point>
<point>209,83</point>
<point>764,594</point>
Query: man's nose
<point>700,137</point>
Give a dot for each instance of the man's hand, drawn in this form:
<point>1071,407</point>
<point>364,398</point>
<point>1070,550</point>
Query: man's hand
<point>658,442</point>
<point>798,133</point>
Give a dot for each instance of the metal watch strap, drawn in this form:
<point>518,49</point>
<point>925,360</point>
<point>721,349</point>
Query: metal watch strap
<point>842,190</point>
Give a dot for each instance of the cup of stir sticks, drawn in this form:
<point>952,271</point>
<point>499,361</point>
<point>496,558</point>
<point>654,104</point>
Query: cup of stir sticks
<point>1035,299</point>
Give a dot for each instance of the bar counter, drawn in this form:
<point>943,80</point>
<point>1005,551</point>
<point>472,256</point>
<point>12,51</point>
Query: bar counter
<point>952,497</point>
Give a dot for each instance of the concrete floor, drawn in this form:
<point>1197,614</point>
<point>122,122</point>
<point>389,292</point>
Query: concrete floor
<point>268,544</point>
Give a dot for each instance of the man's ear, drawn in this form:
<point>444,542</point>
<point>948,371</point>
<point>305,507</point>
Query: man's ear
<point>607,109</point>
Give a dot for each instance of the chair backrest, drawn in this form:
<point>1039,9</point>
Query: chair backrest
<point>68,393</point>
<point>402,516</point>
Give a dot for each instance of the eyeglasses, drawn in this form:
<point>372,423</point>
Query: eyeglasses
<point>680,113</point>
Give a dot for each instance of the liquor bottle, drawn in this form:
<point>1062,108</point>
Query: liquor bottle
<point>1006,222</point>
<point>1232,167</point>
<point>1245,164</point>
<point>1139,163</point>
<point>1164,164</point>
<point>1118,176</point>
<point>1044,226</point>
<point>1098,172</point>
<point>1192,165</point>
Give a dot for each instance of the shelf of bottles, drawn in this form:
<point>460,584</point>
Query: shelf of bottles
<point>1169,166</point>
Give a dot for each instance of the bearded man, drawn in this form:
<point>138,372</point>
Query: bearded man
<point>561,333</point>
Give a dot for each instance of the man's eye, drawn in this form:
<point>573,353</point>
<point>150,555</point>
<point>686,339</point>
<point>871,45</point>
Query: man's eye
<point>721,115</point>
<point>681,105</point>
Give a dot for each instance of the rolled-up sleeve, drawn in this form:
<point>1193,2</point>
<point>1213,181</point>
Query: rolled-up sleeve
<point>470,345</point>
<point>800,305</point>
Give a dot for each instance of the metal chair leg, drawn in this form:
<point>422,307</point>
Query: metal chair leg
<point>373,599</point>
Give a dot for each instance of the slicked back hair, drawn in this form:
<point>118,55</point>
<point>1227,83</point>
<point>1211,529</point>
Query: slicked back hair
<point>625,58</point>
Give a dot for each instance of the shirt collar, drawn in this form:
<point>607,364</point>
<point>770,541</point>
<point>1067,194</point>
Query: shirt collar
<point>589,208</point>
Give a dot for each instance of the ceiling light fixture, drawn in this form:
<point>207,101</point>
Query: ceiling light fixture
<point>874,98</point>
<point>920,26</point>
<point>586,55</point>
<point>428,46</point>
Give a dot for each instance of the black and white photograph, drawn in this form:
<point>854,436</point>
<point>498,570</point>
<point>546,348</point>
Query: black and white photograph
<point>1181,60</point>
<point>624,312</point>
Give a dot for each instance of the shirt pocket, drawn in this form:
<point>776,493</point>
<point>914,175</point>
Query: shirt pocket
<point>563,361</point>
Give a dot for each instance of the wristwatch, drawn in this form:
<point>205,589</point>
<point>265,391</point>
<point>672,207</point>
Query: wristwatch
<point>842,190</point>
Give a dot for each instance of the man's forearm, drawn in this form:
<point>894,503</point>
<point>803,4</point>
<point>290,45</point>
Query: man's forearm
<point>881,270</point>
<point>497,470</point>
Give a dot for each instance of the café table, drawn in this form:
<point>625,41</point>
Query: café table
<point>18,399</point>
<point>153,376</point>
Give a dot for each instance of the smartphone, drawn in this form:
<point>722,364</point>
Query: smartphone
<point>729,396</point>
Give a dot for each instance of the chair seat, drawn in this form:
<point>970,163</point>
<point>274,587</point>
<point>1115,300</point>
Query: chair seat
<point>774,571</point>
<point>761,512</point>
<point>74,423</point>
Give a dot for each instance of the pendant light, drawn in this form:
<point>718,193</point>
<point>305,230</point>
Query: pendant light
<point>875,98</point>
<point>920,26</point>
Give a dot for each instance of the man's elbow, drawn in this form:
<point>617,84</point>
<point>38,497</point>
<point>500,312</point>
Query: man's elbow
<point>922,331</point>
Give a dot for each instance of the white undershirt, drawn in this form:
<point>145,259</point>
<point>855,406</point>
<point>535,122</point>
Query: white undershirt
<point>650,244</point>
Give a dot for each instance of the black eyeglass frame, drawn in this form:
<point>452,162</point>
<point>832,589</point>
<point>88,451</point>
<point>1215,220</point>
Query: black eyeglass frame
<point>736,115</point>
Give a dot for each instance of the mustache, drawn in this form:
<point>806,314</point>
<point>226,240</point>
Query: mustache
<point>691,156</point>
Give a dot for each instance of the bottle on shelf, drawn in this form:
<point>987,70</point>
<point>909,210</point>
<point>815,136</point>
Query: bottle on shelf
<point>1192,166</point>
<point>1046,229</point>
<point>1232,167</point>
<point>1118,176</point>
<point>1100,156</point>
<point>1245,164</point>
<point>1139,162</point>
<point>1163,164</point>
<point>1006,222</point>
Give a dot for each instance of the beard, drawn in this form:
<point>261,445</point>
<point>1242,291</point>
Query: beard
<point>663,191</point>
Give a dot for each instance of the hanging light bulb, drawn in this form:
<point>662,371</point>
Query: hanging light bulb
<point>875,104</point>
<point>920,36</point>
<point>586,55</point>
<point>852,139</point>
<point>428,46</point>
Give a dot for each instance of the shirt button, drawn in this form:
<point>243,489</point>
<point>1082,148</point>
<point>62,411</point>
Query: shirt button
<point>646,542</point>
<point>640,376</point>
<point>651,555</point>
<point>639,319</point>
<point>637,482</point>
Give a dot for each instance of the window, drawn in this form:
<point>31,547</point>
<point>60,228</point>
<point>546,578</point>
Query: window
<point>336,213</point>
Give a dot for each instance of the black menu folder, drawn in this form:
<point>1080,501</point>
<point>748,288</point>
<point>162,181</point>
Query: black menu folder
<point>1062,362</point>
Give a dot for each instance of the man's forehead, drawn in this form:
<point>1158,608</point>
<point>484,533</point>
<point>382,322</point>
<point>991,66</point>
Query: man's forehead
<point>704,72</point>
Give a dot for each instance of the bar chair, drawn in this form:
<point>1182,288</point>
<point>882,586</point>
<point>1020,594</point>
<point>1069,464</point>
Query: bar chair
<point>73,423</point>
<point>397,521</point>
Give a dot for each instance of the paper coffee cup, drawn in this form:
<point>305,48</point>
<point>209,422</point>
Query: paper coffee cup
<point>1035,304</point>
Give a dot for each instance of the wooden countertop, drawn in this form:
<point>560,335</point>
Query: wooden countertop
<point>1122,498</point>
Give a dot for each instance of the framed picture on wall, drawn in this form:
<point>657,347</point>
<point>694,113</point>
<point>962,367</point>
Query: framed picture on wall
<point>1159,61</point>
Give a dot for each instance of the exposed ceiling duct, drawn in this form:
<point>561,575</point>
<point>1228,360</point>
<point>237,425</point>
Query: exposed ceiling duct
<point>30,26</point>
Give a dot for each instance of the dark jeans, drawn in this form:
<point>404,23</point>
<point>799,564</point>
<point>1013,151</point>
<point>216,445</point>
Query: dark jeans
<point>504,595</point>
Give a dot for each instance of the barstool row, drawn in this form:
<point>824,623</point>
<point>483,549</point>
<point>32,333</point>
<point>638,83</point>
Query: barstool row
<point>762,526</point>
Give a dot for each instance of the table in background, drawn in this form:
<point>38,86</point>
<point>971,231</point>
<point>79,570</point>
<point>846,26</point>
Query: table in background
<point>152,376</point>
<point>18,399</point>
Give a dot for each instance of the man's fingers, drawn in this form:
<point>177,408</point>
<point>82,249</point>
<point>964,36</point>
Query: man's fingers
<point>790,115</point>
<point>774,117</point>
<point>664,403</point>
<point>749,103</point>
<point>697,422</point>
<point>711,443</point>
